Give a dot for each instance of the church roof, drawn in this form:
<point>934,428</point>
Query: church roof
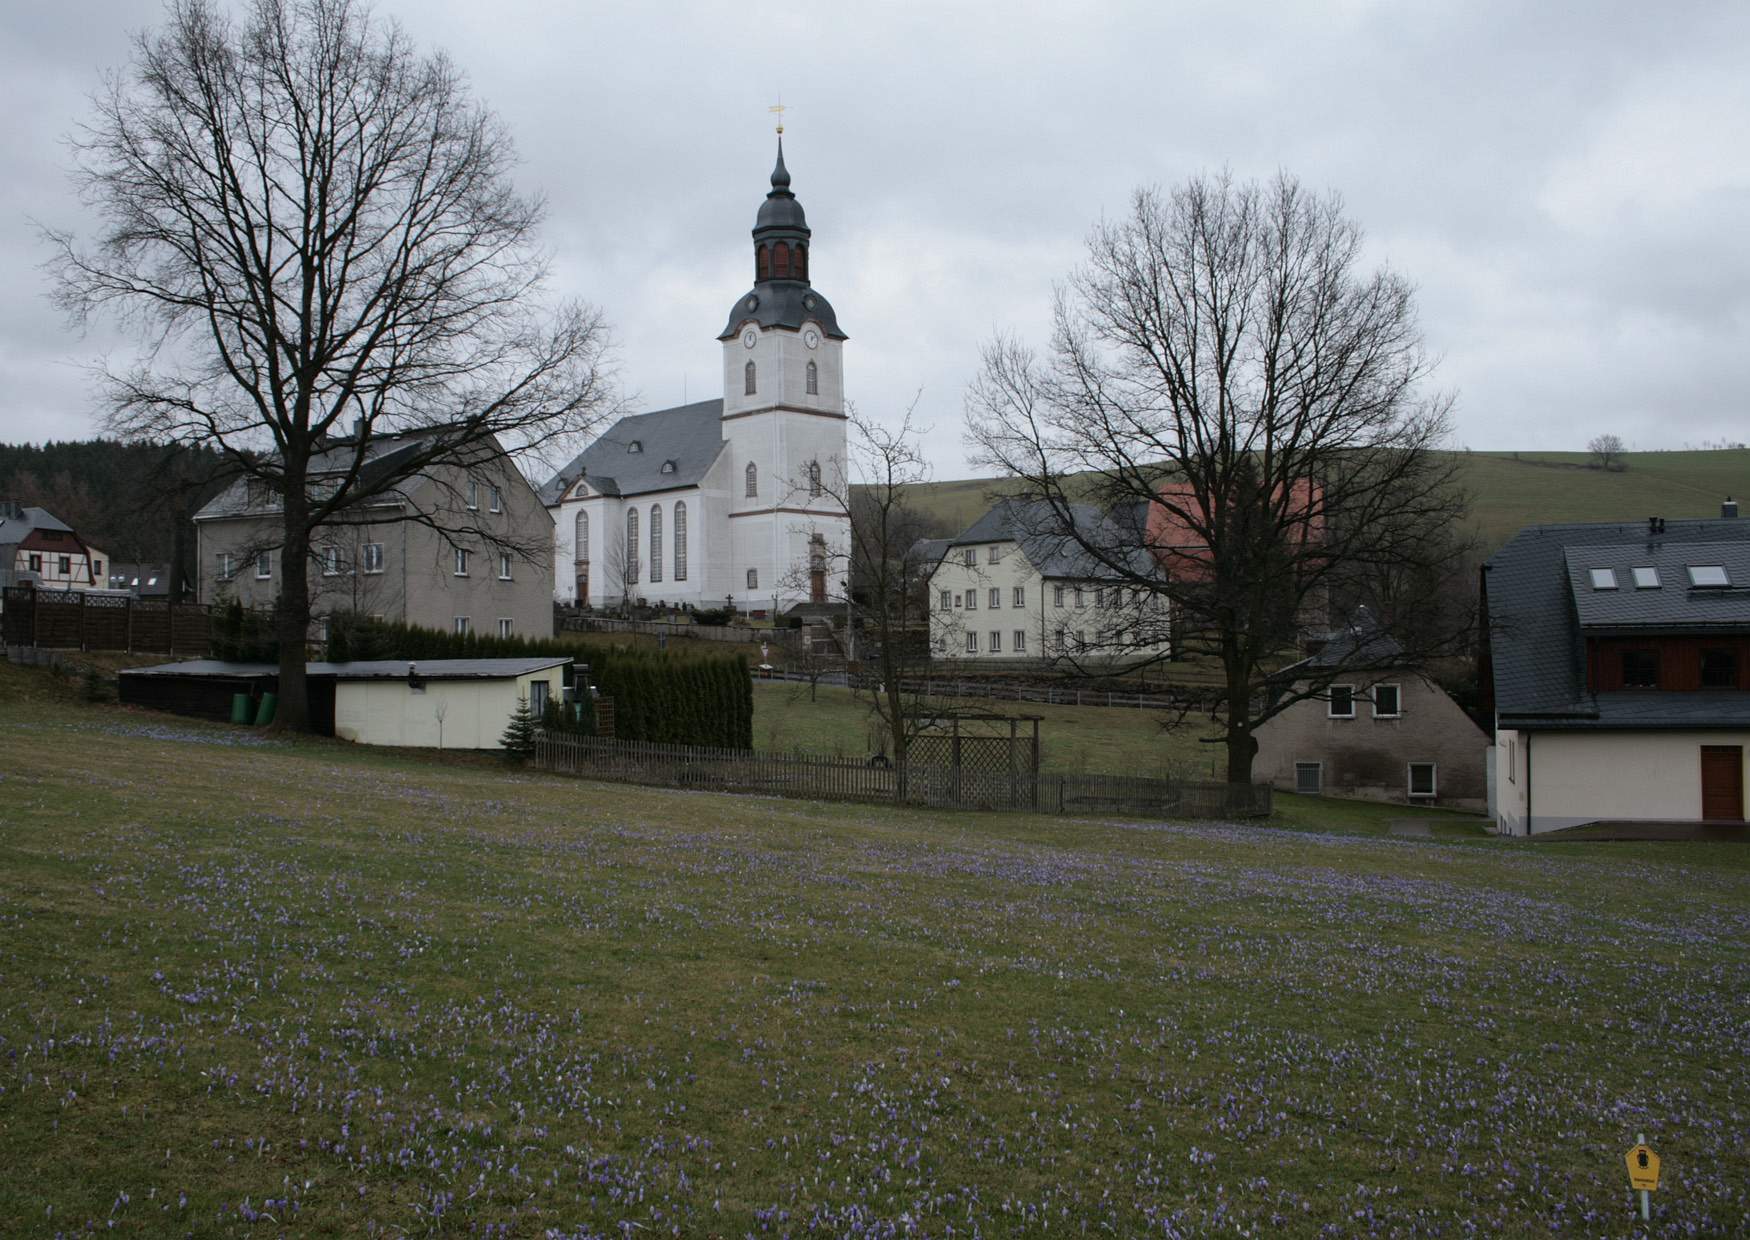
<point>628,458</point>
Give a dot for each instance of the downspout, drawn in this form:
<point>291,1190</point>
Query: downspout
<point>1528,785</point>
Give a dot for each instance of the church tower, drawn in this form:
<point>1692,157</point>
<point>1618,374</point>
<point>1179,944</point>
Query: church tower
<point>784,419</point>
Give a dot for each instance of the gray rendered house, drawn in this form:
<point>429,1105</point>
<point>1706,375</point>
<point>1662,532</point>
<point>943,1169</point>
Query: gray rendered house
<point>419,554</point>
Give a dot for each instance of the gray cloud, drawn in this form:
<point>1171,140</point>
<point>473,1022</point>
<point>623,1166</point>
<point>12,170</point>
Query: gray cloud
<point>1566,186</point>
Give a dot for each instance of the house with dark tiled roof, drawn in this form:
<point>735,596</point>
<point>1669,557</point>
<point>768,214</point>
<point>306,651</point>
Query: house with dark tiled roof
<point>1616,666</point>
<point>733,500</point>
<point>1369,726</point>
<point>1017,585</point>
<point>38,548</point>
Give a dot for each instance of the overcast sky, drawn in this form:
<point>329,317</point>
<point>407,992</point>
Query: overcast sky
<point>1568,186</point>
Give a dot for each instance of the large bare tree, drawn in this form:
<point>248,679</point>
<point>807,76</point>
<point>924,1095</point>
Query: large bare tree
<point>1248,404</point>
<point>313,228</point>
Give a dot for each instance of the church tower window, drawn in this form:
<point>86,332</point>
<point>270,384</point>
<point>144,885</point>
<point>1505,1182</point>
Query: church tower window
<point>781,261</point>
<point>814,478</point>
<point>748,375</point>
<point>813,379</point>
<point>631,546</point>
<point>764,264</point>
<point>582,548</point>
<point>656,542</point>
<point>753,578</point>
<point>680,540</point>
<point>753,480</point>
<point>799,261</point>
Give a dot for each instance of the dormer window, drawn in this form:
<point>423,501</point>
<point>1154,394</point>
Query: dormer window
<point>637,445</point>
<point>1604,579</point>
<point>1646,578</point>
<point>1708,577</point>
<point>668,467</point>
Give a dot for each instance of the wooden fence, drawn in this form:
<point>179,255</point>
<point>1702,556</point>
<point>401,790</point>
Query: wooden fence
<point>832,779</point>
<point>83,620</point>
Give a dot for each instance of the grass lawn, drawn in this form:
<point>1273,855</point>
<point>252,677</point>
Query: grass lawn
<point>251,985</point>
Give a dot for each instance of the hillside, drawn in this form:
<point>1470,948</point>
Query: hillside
<point>1511,489</point>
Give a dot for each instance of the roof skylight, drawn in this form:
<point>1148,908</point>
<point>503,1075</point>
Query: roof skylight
<point>1708,577</point>
<point>1603,578</point>
<point>1646,577</point>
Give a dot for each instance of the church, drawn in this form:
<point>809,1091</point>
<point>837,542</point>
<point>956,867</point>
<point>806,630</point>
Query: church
<point>728,501</point>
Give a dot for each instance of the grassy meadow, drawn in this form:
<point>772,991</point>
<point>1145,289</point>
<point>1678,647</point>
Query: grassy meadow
<point>252,985</point>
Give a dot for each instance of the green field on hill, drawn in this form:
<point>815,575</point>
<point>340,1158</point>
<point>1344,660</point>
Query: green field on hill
<point>254,984</point>
<point>1510,490</point>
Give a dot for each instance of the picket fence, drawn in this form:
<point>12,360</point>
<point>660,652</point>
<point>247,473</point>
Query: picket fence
<point>832,779</point>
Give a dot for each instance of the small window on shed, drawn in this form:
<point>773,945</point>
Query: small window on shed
<point>1708,577</point>
<point>1604,579</point>
<point>1646,577</point>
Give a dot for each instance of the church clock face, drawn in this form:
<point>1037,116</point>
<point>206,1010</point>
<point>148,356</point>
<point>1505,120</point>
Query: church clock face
<point>750,338</point>
<point>811,338</point>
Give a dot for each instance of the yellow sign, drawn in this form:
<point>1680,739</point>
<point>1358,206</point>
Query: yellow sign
<point>1643,1168</point>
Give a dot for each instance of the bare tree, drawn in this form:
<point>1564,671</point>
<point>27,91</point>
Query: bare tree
<point>1245,405</point>
<point>1608,449</point>
<point>313,229</point>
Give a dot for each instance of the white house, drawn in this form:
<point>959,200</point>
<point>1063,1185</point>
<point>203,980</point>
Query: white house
<point>39,548</point>
<point>724,500</point>
<point>1617,667</point>
<point>1008,589</point>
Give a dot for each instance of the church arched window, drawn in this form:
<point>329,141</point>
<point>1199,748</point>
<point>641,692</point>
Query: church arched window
<point>680,540</point>
<point>656,542</point>
<point>764,264</point>
<point>749,377</point>
<point>582,552</point>
<point>799,262</point>
<point>814,478</point>
<point>781,261</point>
<point>753,578</point>
<point>631,546</point>
<point>813,379</point>
<point>753,480</point>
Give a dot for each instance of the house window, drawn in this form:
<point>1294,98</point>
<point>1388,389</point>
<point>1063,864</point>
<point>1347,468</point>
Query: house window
<point>331,562</point>
<point>580,538</point>
<point>947,601</point>
<point>971,643</point>
<point>264,566</point>
<point>750,384</point>
<point>1057,596</point>
<point>473,495</point>
<point>1422,779</point>
<point>1341,704</point>
<point>227,566</point>
<point>66,566</point>
<point>1081,639</point>
<point>972,600</point>
<point>996,598</point>
<point>993,555</point>
<point>1387,703</point>
<point>96,569</point>
<point>996,641</point>
<point>373,557</point>
<point>656,542</point>
<point>1057,641</point>
<point>1078,596</point>
<point>1719,669</point>
<point>1309,778</point>
<point>631,546</point>
<point>496,504</point>
<point>753,480</point>
<point>504,626</point>
<point>538,694</point>
<point>1019,644</point>
<point>969,557</point>
<point>504,566</point>
<point>1640,669</point>
<point>753,578</point>
<point>959,602</point>
<point>813,379</point>
<point>1020,596</point>
<point>462,624</point>
<point>1708,577</point>
<point>635,446</point>
<point>680,540</point>
<point>36,563</point>
<point>461,554</point>
<point>1604,579</point>
<point>1646,578</point>
<point>814,478</point>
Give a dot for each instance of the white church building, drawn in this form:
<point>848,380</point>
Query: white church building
<point>723,500</point>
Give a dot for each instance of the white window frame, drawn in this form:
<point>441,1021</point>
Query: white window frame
<point>1646,576</point>
<point>1019,644</point>
<point>996,641</point>
<point>331,561</point>
<point>969,557</point>
<point>264,566</point>
<point>753,578</point>
<point>1397,694</point>
<point>1078,596</point>
<point>946,602</point>
<point>972,600</point>
<point>504,626</point>
<point>1603,578</point>
<point>1318,770</point>
<point>1331,711</point>
<point>373,557</point>
<point>1433,781</point>
<point>971,641</point>
<point>1057,596</point>
<point>463,624</point>
<point>995,601</point>
<point>1061,640</point>
<point>473,497</point>
<point>461,567</point>
<point>504,566</point>
<point>495,500</point>
<point>1020,596</point>
<point>227,566</point>
<point>993,555</point>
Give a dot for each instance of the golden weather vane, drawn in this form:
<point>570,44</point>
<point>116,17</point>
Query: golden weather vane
<point>777,110</point>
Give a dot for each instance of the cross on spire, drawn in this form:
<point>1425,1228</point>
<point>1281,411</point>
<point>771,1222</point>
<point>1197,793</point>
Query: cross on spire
<point>778,110</point>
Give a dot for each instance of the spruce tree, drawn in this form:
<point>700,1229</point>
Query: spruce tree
<point>518,740</point>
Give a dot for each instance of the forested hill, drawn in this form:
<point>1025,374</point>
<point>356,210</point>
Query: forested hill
<point>132,501</point>
<point>1509,490</point>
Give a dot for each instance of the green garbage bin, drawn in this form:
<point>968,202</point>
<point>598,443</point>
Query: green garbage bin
<point>239,708</point>
<point>264,715</point>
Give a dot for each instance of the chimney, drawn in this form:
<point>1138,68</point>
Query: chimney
<point>1655,525</point>
<point>358,429</point>
<point>1729,509</point>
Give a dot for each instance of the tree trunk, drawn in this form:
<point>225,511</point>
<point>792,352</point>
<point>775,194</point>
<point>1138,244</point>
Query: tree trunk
<point>1242,746</point>
<point>292,608</point>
